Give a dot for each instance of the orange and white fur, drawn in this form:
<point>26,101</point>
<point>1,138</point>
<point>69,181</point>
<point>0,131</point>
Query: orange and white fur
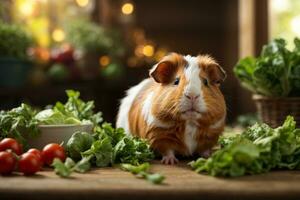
<point>179,109</point>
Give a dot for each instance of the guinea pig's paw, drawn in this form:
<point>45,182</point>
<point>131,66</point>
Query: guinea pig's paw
<point>169,160</point>
<point>206,153</point>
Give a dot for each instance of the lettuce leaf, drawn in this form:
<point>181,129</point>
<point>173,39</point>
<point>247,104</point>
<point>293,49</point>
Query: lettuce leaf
<point>276,72</point>
<point>19,123</point>
<point>109,146</point>
<point>257,150</point>
<point>55,117</point>
<point>142,171</point>
<point>74,111</point>
<point>77,108</point>
<point>79,142</point>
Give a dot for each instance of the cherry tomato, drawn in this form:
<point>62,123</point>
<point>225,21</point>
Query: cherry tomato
<point>9,143</point>
<point>29,163</point>
<point>51,151</point>
<point>38,153</point>
<point>7,162</point>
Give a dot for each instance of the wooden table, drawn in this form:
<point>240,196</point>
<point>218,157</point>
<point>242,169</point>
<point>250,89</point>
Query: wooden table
<point>181,183</point>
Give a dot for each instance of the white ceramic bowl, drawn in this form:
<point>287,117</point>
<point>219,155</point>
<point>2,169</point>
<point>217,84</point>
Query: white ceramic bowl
<point>57,134</point>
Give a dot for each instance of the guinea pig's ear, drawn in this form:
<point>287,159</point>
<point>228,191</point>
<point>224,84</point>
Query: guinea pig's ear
<point>163,72</point>
<point>216,73</point>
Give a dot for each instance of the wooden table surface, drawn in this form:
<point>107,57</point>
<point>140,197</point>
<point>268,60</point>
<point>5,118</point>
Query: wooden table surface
<point>181,183</point>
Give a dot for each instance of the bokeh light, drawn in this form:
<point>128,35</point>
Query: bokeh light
<point>27,8</point>
<point>82,3</point>
<point>295,25</point>
<point>148,50</point>
<point>127,8</point>
<point>280,5</point>
<point>58,35</point>
<point>104,61</point>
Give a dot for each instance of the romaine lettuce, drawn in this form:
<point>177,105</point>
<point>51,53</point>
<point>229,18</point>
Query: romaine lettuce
<point>276,72</point>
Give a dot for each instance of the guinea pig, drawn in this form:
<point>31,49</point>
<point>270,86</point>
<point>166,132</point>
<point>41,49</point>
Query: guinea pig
<point>179,109</point>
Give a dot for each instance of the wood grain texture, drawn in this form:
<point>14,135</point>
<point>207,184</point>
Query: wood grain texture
<point>181,183</point>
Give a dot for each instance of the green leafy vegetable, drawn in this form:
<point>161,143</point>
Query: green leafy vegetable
<point>276,72</point>
<point>135,169</point>
<point>258,149</point>
<point>80,109</point>
<point>142,171</point>
<point>49,117</point>
<point>22,122</point>
<point>106,130</point>
<point>247,119</point>
<point>65,169</point>
<point>104,147</point>
<point>74,111</point>
<point>83,165</point>
<point>60,168</point>
<point>132,150</point>
<point>153,178</point>
<point>79,142</point>
<point>10,35</point>
<point>109,145</point>
<point>19,123</point>
<point>101,152</point>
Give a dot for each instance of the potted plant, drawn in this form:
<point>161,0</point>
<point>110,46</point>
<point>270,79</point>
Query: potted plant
<point>274,78</point>
<point>92,42</point>
<point>14,62</point>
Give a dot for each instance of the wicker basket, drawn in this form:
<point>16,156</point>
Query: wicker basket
<point>273,111</point>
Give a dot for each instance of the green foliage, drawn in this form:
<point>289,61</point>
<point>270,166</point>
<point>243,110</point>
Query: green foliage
<point>74,111</point>
<point>55,117</point>
<point>65,169</point>
<point>247,119</point>
<point>77,108</point>
<point>276,72</point>
<point>58,72</point>
<point>142,171</point>
<point>93,38</point>
<point>14,41</point>
<point>101,152</point>
<point>19,123</point>
<point>257,150</point>
<point>105,147</point>
<point>132,150</point>
<point>79,142</point>
<point>60,168</point>
<point>108,146</point>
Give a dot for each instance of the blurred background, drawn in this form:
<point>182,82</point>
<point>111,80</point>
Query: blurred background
<point>102,47</point>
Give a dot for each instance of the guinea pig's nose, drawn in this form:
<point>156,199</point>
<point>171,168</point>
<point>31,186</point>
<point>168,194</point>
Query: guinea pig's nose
<point>191,96</point>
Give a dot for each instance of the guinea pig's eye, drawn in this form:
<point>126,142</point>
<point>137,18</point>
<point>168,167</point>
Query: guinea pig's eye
<point>205,82</point>
<point>176,82</point>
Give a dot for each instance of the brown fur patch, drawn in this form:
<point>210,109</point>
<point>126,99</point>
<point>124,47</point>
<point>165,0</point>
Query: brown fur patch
<point>165,108</point>
<point>212,69</point>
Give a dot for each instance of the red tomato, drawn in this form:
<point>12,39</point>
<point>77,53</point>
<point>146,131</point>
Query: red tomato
<point>9,143</point>
<point>29,163</point>
<point>38,153</point>
<point>51,151</point>
<point>7,162</point>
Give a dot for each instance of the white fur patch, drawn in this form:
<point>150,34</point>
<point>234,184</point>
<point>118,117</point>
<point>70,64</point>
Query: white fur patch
<point>218,123</point>
<point>126,103</point>
<point>194,85</point>
<point>149,118</point>
<point>190,136</point>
